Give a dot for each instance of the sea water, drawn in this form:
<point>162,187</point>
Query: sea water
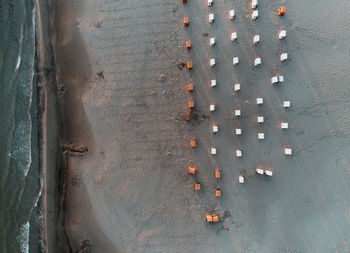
<point>20,185</point>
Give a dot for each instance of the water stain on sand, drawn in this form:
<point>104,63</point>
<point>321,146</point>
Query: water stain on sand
<point>73,79</point>
<point>73,76</point>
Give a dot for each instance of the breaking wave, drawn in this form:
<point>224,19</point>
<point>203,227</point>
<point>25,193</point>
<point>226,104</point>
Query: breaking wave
<point>23,238</point>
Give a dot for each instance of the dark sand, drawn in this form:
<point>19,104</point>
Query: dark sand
<point>48,127</point>
<point>131,192</point>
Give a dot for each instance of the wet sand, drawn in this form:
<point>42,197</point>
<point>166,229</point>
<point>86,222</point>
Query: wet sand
<point>49,126</point>
<point>123,97</point>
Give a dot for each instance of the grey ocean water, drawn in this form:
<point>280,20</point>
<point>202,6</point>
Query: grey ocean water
<point>20,185</point>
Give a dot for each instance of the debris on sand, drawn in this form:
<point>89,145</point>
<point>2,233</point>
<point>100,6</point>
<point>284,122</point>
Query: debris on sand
<point>76,149</point>
<point>100,75</point>
<point>161,77</point>
<point>194,116</point>
<point>98,24</point>
<point>181,65</point>
<point>84,246</point>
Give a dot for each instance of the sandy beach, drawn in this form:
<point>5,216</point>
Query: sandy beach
<point>124,141</point>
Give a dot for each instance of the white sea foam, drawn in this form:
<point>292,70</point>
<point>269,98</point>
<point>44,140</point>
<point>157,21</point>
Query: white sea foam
<point>18,62</point>
<point>34,18</point>
<point>23,237</point>
<point>39,194</point>
<point>21,152</point>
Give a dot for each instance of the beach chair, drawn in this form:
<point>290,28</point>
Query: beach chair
<point>210,2</point>
<point>212,41</point>
<point>256,39</point>
<point>237,87</point>
<point>259,101</point>
<point>281,10</point>
<point>213,151</point>
<point>187,116</point>
<point>212,62</point>
<point>186,21</point>
<point>260,119</point>
<point>217,192</point>
<point>255,14</point>
<point>254,4</point>
<point>268,172</point>
<point>215,129</point>
<point>217,173</point>
<point>209,218</point>
<point>190,87</point>
<point>197,186</point>
<point>188,44</point>
<point>211,18</point>
<point>237,113</point>
<point>282,34</point>
<point>261,136</point>
<point>212,217</point>
<point>286,103</point>
<point>191,170</point>
<point>238,131</point>
<point>274,79</point>
<point>259,171</point>
<point>193,143</point>
<point>233,36</point>
<point>283,57</point>
<point>235,60</point>
<point>212,108</point>
<point>257,61</point>
<point>241,179</point>
<point>287,151</point>
<point>190,104</point>
<point>189,65</point>
<point>212,83</point>
<point>239,153</point>
<point>232,14</point>
<point>284,125</point>
<point>277,79</point>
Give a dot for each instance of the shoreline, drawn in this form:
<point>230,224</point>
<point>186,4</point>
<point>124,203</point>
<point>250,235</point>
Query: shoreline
<point>48,124</point>
<point>53,161</point>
